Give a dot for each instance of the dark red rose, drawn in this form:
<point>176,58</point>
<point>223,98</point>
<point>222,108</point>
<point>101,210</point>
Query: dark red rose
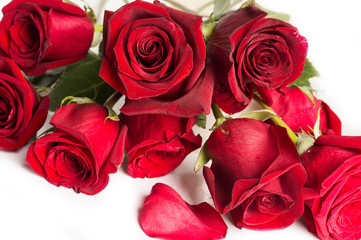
<point>157,144</point>
<point>256,174</point>
<point>40,34</point>
<point>155,55</point>
<point>21,113</point>
<point>82,151</point>
<point>299,112</point>
<point>333,167</point>
<point>253,52</point>
<point>166,215</point>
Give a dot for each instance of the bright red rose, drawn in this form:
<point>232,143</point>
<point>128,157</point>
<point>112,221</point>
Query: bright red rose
<point>256,174</point>
<point>155,55</point>
<point>82,151</point>
<point>166,215</point>
<point>40,34</point>
<point>21,113</point>
<point>299,112</point>
<point>333,167</point>
<point>251,52</point>
<point>157,144</point>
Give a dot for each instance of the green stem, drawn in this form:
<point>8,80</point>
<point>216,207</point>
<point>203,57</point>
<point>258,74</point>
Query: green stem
<point>98,28</point>
<point>233,4</point>
<point>181,7</point>
<point>277,120</point>
<point>204,6</point>
<point>217,111</point>
<point>112,100</point>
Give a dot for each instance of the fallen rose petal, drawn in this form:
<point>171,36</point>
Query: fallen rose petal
<point>166,215</point>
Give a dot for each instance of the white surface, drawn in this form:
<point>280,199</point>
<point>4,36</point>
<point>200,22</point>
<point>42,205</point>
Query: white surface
<point>31,208</point>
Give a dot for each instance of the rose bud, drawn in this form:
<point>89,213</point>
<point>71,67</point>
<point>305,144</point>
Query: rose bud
<point>333,168</point>
<point>299,112</point>
<point>157,144</point>
<point>21,113</point>
<point>155,55</point>
<point>256,174</point>
<point>84,148</point>
<point>251,52</point>
<point>166,215</point>
<point>41,35</point>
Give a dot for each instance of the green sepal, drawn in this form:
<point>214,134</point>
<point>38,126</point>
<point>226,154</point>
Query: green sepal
<point>76,100</point>
<point>208,27</point>
<point>202,120</point>
<point>247,3</point>
<point>262,115</point>
<point>271,14</point>
<point>112,115</point>
<point>203,158</point>
<point>316,128</point>
<point>304,142</point>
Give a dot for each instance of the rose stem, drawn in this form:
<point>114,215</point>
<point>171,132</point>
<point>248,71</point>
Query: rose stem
<point>277,120</point>
<point>204,6</point>
<point>181,7</point>
<point>112,100</point>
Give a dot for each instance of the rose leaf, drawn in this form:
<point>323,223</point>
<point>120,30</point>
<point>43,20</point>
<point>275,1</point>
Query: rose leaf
<point>81,80</point>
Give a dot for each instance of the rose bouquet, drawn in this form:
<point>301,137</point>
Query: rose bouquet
<point>132,91</point>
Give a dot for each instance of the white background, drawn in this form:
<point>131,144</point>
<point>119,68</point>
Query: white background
<point>31,208</point>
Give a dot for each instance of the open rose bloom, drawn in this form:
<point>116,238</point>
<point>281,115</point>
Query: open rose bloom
<point>256,174</point>
<point>251,52</point>
<point>22,112</point>
<point>40,34</point>
<point>82,151</point>
<point>155,55</point>
<point>333,167</point>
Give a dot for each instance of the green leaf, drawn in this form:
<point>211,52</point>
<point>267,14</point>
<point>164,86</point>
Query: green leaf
<point>271,14</point>
<point>202,120</point>
<point>47,79</point>
<point>81,80</point>
<point>261,115</point>
<point>309,71</point>
<point>220,6</point>
<point>202,159</point>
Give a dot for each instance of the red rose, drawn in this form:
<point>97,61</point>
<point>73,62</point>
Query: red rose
<point>166,215</point>
<point>155,55</point>
<point>256,174</point>
<point>40,35</point>
<point>157,144</point>
<point>298,111</point>
<point>251,51</point>
<point>21,113</point>
<point>82,151</point>
<point>333,167</point>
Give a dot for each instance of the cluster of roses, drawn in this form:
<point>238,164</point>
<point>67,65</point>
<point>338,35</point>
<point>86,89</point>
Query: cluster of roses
<point>156,57</point>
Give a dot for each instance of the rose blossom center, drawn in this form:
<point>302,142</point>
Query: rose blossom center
<point>26,34</point>
<point>273,204</point>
